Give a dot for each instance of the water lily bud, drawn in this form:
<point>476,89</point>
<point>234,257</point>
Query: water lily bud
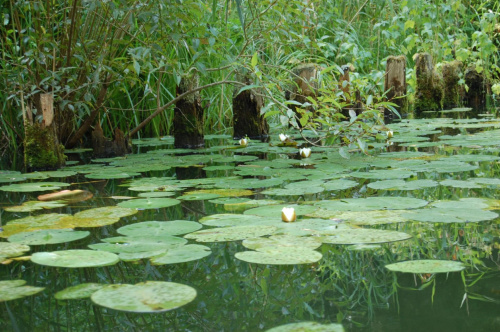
<point>305,152</point>
<point>288,214</point>
<point>390,134</point>
<point>284,137</point>
<point>244,141</point>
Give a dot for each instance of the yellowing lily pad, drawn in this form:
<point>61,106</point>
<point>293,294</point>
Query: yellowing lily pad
<point>426,266</point>
<point>48,236</point>
<point>145,297</point>
<point>35,205</point>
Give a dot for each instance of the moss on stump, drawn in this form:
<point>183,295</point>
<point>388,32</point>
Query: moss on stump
<point>41,149</point>
<point>429,90</point>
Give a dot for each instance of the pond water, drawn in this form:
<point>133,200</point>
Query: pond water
<point>405,238</point>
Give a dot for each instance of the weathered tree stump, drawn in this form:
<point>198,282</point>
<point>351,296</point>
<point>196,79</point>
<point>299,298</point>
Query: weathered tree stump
<point>42,150</point>
<point>305,85</point>
<point>106,148</point>
<point>475,97</point>
<point>429,90</point>
<point>247,120</point>
<point>188,116</point>
<point>395,84</point>
<point>451,76</point>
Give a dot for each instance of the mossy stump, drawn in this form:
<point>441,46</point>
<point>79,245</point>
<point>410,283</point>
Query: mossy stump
<point>188,116</point>
<point>103,147</point>
<point>42,150</point>
<point>429,90</point>
<point>395,85</point>
<point>452,90</point>
<point>475,96</point>
<point>305,85</point>
<point>247,120</point>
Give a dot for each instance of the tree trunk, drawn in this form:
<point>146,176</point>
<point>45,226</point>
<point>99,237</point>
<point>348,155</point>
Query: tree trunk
<point>395,84</point>
<point>106,148</point>
<point>451,76</point>
<point>188,116</point>
<point>475,97</point>
<point>42,150</point>
<point>305,85</point>
<point>429,91</point>
<point>247,120</point>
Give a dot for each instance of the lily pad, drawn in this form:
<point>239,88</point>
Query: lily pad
<point>364,236</point>
<point>136,244</point>
<point>373,217</point>
<point>149,203</point>
<point>35,205</point>
<point>234,233</point>
<point>12,250</point>
<point>158,228</point>
<point>222,192</point>
<point>81,291</point>
<point>187,253</point>
<point>197,197</point>
<point>282,241</point>
<point>75,258</point>
<point>370,203</point>
<point>16,289</point>
<point>274,211</point>
<point>426,266</point>
<point>48,236</point>
<point>308,327</point>
<point>145,297</point>
<point>280,256</point>
<point>34,186</point>
<point>402,185</point>
<point>229,219</point>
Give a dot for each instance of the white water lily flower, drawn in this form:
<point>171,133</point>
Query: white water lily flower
<point>284,137</point>
<point>288,214</point>
<point>244,141</point>
<point>305,152</point>
<point>390,134</point>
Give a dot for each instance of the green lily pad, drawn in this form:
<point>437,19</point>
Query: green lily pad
<point>426,266</point>
<point>198,197</point>
<point>159,228</point>
<point>373,217</point>
<point>156,194</point>
<point>145,297</point>
<point>35,186</point>
<point>75,258</point>
<point>339,184</point>
<point>364,236</point>
<point>48,236</point>
<point>187,253</point>
<point>229,219</point>
<point>240,207</point>
<point>402,185</point>
<point>149,203</point>
<point>234,233</point>
<point>11,176</point>
<point>35,205</point>
<point>81,291</point>
<point>372,203</point>
<point>15,289</point>
<point>222,192</point>
<point>460,184</point>
<point>308,327</point>
<point>305,227</point>
<point>135,244</point>
<point>229,200</point>
<point>282,241</point>
<point>384,174</point>
<point>106,212</point>
<point>280,256</point>
<point>445,215</point>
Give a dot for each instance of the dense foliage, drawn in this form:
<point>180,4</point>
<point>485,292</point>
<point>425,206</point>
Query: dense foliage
<point>117,62</point>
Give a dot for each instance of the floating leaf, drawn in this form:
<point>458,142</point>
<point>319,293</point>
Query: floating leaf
<point>187,253</point>
<point>364,236</point>
<point>371,203</point>
<point>12,250</point>
<point>145,297</point>
<point>224,234</point>
<point>35,186</point>
<point>81,291</point>
<point>75,258</point>
<point>280,256</point>
<point>35,205</point>
<point>48,236</point>
<point>426,266</point>
<point>229,219</point>
<point>149,203</point>
<point>197,197</point>
<point>67,195</point>
<point>274,211</point>
<point>136,244</point>
<point>308,327</point>
<point>15,289</point>
<point>402,185</point>
<point>222,192</point>
<point>158,228</point>
<point>282,241</point>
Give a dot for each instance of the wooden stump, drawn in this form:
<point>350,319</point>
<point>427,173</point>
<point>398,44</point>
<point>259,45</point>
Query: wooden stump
<point>106,148</point>
<point>247,120</point>
<point>305,85</point>
<point>475,97</point>
<point>188,116</point>
<point>395,84</point>
<point>451,76</point>
<point>429,90</point>
<point>42,150</point>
